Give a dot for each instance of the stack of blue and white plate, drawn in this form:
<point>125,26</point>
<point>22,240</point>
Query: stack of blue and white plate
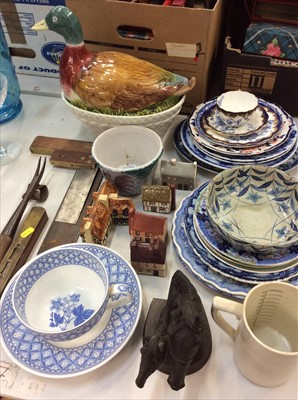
<point>269,137</point>
<point>240,229</point>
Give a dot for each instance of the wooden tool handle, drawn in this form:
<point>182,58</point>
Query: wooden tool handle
<point>5,242</point>
<point>22,245</point>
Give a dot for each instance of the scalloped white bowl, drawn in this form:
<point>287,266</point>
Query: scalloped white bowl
<point>98,123</point>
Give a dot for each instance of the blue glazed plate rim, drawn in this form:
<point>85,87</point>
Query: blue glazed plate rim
<point>23,352</point>
<point>213,165</point>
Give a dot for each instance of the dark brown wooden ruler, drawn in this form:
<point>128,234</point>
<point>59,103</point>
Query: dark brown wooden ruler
<point>66,226</point>
<point>22,245</point>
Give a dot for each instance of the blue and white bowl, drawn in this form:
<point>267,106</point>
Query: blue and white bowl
<point>61,293</point>
<point>255,208</point>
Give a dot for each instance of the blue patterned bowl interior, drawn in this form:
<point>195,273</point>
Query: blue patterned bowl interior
<point>255,208</point>
<point>61,293</point>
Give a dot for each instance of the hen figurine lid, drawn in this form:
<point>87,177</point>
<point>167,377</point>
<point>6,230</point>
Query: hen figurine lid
<point>108,79</point>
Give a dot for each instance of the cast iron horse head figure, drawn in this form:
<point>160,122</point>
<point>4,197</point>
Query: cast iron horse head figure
<point>179,341</point>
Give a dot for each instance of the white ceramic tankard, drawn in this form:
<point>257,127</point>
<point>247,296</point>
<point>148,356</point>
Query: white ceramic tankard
<point>266,339</point>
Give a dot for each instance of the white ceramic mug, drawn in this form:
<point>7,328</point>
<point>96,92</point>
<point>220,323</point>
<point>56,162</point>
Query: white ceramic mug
<point>266,339</point>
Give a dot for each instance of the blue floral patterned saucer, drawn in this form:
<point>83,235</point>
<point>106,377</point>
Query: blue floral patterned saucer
<point>42,358</point>
<point>256,121</point>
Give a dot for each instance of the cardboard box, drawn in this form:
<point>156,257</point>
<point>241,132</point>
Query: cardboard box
<point>32,53</point>
<point>272,79</point>
<point>179,39</point>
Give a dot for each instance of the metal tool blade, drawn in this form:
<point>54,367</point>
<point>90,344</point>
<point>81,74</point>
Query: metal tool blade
<point>75,196</point>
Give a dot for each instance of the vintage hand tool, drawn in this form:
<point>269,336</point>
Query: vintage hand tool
<point>33,191</point>
<point>22,245</point>
<point>66,226</point>
<point>66,153</point>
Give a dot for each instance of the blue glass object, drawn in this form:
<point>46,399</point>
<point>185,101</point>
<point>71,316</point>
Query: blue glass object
<point>10,102</point>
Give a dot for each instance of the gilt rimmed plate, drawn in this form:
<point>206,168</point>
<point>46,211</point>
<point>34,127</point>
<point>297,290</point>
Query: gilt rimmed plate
<point>252,275</point>
<point>199,138</point>
<point>260,136</point>
<point>226,252</point>
<point>252,139</point>
<point>184,144</point>
<point>257,120</point>
<point>272,157</point>
<point>42,358</point>
<point>213,165</point>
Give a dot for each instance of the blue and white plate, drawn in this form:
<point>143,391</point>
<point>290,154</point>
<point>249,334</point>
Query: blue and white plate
<point>257,120</point>
<point>230,270</point>
<point>42,358</point>
<point>283,135</point>
<point>186,148</point>
<point>194,264</point>
<point>272,157</point>
<point>256,136</point>
<point>200,270</point>
<point>280,154</point>
<point>185,154</point>
<point>227,253</point>
<point>200,138</point>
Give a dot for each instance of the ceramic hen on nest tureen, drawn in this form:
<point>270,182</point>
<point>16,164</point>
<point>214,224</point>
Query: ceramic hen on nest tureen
<point>108,79</point>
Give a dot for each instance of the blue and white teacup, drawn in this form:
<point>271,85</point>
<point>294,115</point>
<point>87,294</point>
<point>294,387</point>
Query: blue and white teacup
<point>62,293</point>
<point>236,107</point>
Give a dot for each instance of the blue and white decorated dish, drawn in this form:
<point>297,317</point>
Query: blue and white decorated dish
<point>61,293</point>
<point>194,264</point>
<point>256,121</point>
<point>239,198</point>
<point>84,354</point>
<point>248,275</point>
<point>280,137</point>
<point>201,270</point>
<point>223,250</point>
<point>256,137</point>
<point>186,148</point>
<point>273,157</point>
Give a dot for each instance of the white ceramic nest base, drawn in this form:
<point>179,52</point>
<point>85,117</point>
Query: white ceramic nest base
<point>98,123</point>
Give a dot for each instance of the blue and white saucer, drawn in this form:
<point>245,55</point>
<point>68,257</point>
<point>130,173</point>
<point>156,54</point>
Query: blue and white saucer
<point>248,275</point>
<point>42,358</point>
<point>257,120</point>
<point>199,269</point>
<point>280,137</point>
<point>256,136</point>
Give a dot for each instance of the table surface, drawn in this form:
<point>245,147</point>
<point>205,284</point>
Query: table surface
<point>218,379</point>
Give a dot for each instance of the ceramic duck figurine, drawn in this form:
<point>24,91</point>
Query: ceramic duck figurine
<point>108,79</point>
